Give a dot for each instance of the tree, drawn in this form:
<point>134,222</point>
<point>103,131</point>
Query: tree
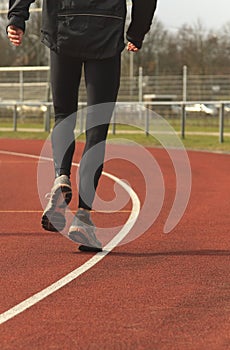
<point>164,52</point>
<point>31,52</point>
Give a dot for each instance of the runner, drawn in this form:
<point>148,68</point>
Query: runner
<point>88,34</point>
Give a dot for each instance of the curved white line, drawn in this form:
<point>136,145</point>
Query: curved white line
<point>34,299</point>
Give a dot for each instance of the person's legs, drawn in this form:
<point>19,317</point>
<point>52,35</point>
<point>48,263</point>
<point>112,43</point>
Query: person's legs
<point>65,80</point>
<point>102,83</point>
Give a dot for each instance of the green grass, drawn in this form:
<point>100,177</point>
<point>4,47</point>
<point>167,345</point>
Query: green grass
<point>136,134</point>
<point>34,125</point>
<point>24,135</point>
<point>209,143</point>
<point>204,142</point>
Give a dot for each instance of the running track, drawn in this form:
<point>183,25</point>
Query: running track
<point>157,292</point>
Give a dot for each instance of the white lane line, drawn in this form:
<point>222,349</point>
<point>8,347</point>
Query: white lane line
<point>11,211</point>
<point>34,299</point>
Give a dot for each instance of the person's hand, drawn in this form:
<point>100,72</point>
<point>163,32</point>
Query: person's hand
<point>131,47</point>
<point>15,35</point>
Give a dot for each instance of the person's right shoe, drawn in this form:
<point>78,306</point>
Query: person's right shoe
<point>82,231</point>
<point>53,217</point>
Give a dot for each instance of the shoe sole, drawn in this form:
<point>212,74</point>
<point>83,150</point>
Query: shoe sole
<point>53,219</point>
<point>81,238</point>
<point>85,248</point>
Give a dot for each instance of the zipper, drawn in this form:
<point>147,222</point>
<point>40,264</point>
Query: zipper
<point>88,14</point>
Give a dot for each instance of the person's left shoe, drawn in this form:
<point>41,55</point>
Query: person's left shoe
<point>82,231</point>
<point>53,217</point>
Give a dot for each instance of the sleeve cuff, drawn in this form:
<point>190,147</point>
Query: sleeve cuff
<point>137,43</point>
<point>17,22</point>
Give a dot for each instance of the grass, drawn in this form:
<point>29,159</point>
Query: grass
<point>24,135</point>
<point>137,134</point>
<point>196,142</point>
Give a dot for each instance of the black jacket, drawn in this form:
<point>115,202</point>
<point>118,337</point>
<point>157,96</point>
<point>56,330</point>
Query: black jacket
<point>87,28</point>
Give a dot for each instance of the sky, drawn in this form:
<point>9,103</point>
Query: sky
<point>212,13</point>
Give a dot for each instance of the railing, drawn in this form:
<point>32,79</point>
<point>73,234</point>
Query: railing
<point>33,83</point>
<point>137,110</point>
<point>25,83</point>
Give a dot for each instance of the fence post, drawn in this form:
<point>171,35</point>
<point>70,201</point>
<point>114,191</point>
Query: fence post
<point>221,123</point>
<point>140,89</point>
<point>131,76</point>
<point>15,118</point>
<point>21,82</point>
<point>185,79</point>
<point>147,121</point>
<point>140,84</point>
<point>47,118</point>
<point>114,122</point>
<point>183,118</point>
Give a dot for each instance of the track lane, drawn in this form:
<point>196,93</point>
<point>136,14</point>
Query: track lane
<point>158,292</point>
<point>27,303</point>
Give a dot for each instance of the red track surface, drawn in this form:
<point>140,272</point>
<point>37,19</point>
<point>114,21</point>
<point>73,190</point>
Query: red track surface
<point>157,292</point>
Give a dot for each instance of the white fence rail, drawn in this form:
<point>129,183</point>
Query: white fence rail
<point>24,83</point>
<point>33,83</point>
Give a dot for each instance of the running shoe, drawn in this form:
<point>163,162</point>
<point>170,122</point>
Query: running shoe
<point>82,231</point>
<point>53,217</point>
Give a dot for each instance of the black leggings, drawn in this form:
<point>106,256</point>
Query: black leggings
<point>102,78</point>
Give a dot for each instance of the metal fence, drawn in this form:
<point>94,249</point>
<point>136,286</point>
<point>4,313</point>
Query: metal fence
<point>212,117</point>
<point>24,83</point>
<point>198,104</point>
<point>32,84</point>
